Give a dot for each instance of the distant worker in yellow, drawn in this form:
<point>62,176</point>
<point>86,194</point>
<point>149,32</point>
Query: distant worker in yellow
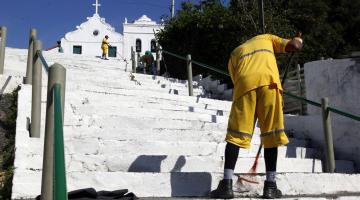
<point>105,47</point>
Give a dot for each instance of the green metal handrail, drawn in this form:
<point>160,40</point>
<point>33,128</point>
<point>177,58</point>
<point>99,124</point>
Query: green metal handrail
<point>197,63</point>
<point>335,110</point>
<point>60,192</point>
<point>46,66</point>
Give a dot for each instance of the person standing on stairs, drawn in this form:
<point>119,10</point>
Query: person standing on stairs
<point>105,48</point>
<point>58,45</point>
<point>148,60</point>
<point>257,95</point>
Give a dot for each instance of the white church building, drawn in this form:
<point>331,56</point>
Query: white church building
<point>87,38</point>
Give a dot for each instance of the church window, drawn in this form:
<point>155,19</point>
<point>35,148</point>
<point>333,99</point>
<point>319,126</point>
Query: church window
<point>138,45</point>
<point>77,49</point>
<point>153,45</point>
<point>96,32</point>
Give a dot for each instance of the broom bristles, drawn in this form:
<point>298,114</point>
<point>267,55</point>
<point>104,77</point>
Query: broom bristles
<point>250,177</point>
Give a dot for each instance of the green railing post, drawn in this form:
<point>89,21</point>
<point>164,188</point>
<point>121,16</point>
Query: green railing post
<point>36,92</point>
<point>3,31</point>
<point>189,71</point>
<point>157,60</point>
<point>29,66</point>
<point>329,157</point>
<point>133,60</point>
<point>57,74</point>
<point>60,191</point>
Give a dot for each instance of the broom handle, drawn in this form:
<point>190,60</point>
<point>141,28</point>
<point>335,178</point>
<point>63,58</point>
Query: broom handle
<point>257,157</point>
<point>287,68</point>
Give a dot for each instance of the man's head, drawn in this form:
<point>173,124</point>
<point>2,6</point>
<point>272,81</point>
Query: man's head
<point>294,45</point>
<point>107,37</point>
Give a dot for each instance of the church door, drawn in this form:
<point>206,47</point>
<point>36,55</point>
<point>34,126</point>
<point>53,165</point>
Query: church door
<point>112,51</point>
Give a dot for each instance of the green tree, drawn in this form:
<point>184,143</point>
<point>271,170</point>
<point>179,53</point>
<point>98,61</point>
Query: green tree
<point>209,31</point>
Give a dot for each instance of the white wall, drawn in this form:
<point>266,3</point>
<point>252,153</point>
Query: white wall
<point>336,79</point>
<point>133,32</point>
<point>143,29</point>
<point>339,81</point>
<point>93,48</point>
<point>91,44</point>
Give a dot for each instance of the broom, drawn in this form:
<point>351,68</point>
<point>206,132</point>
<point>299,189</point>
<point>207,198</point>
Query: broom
<point>250,176</point>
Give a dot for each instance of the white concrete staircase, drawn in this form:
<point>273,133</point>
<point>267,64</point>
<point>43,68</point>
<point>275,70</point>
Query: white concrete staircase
<point>148,136</point>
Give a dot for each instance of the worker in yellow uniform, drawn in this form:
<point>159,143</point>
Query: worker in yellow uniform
<point>257,94</point>
<point>105,47</point>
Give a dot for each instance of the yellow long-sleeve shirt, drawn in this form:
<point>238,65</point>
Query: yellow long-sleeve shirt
<point>253,64</point>
<point>105,44</point>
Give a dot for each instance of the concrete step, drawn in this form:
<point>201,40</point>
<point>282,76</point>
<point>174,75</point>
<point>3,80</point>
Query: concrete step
<point>147,81</point>
<point>178,148</point>
<point>80,132</point>
<point>168,163</point>
<point>122,75</point>
<point>119,147</point>
<point>144,94</point>
<point>172,163</point>
<point>141,134</point>
<point>187,184</point>
<point>131,84</point>
<point>85,63</point>
<point>145,112</point>
<point>103,102</point>
<point>76,84</point>
<point>131,117</point>
<point>145,122</point>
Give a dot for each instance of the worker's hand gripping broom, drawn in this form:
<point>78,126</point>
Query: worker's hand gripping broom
<point>250,176</point>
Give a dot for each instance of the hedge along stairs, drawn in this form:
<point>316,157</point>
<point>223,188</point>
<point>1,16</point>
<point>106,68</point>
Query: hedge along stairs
<point>144,133</point>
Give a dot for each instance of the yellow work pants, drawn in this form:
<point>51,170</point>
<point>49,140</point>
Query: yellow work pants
<point>264,103</point>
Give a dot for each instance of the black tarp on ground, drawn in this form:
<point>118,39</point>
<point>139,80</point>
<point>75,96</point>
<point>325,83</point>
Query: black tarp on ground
<point>90,194</point>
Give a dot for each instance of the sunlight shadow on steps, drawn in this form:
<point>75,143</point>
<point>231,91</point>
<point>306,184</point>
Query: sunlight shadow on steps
<point>191,109</point>
<point>213,118</point>
<point>191,183</point>
<point>182,183</point>
<point>176,92</point>
<point>147,163</point>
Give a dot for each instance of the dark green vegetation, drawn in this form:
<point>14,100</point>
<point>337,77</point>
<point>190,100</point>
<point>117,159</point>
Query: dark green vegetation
<point>209,31</point>
<point>8,113</point>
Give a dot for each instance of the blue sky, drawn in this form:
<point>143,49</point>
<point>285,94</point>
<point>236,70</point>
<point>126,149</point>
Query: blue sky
<point>53,18</point>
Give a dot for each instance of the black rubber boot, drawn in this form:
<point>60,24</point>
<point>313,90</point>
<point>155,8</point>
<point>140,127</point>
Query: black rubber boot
<point>224,190</point>
<point>271,191</point>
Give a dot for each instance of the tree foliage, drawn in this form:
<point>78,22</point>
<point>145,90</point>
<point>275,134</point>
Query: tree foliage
<point>209,30</point>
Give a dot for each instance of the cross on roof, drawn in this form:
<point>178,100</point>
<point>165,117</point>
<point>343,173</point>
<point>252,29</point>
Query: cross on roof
<point>97,5</point>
